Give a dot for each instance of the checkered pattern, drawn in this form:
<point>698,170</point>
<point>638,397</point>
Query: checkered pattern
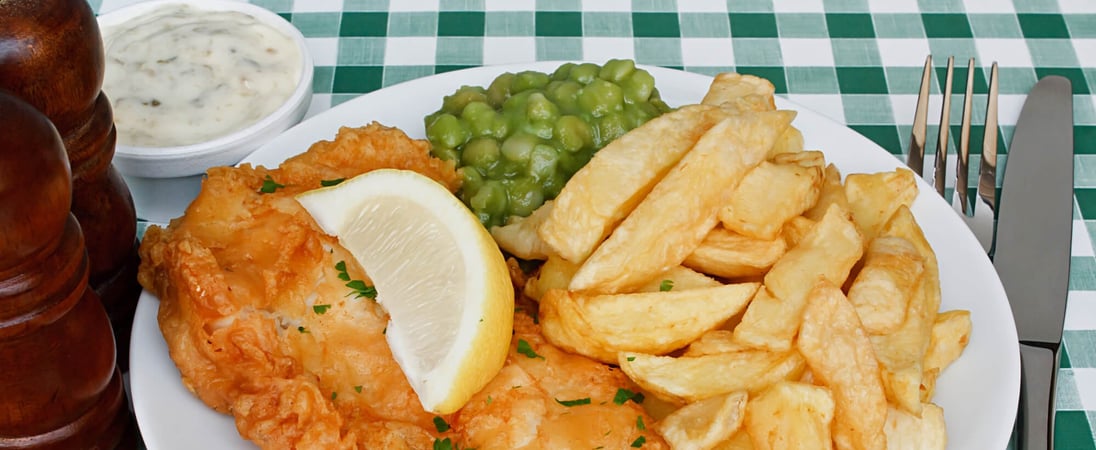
<point>856,61</point>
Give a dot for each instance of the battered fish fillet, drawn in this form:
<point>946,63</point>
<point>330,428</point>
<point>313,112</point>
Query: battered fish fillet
<point>245,279</point>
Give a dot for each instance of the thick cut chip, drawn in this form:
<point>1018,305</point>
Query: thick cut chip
<point>681,209</point>
<point>906,431</point>
<point>703,424</point>
<point>791,415</point>
<point>618,177</point>
<point>950,334</point>
<point>715,342</point>
<point>770,195</point>
<point>795,229</point>
<point>740,94</point>
<point>832,193</point>
<point>648,322</point>
<point>740,441</point>
<point>727,254</point>
<point>902,351</point>
<point>827,252</point>
<point>840,357</point>
<point>555,273</point>
<point>519,237</point>
<point>679,278</point>
<point>874,197</point>
<point>882,289</point>
<point>811,158</point>
<point>692,378</point>
<point>791,141</point>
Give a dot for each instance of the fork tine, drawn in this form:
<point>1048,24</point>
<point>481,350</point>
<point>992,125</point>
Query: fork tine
<point>941,164</point>
<point>987,171</point>
<point>963,166</point>
<point>915,156</point>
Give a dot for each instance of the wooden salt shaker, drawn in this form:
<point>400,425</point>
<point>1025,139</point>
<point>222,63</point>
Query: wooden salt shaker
<point>59,385</point>
<point>51,55</point>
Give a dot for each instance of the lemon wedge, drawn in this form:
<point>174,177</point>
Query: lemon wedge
<point>437,272</point>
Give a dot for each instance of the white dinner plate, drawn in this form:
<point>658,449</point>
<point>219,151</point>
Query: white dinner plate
<point>979,392</point>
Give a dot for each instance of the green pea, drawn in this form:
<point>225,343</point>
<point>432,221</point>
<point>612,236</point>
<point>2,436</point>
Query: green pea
<point>601,97</point>
<point>490,198</point>
<point>573,133</point>
<point>448,131</point>
<point>480,118</point>
<point>445,153</point>
<point>454,104</point>
<point>471,179</point>
<point>500,127</point>
<point>584,73</point>
<point>553,184</point>
<point>636,114</point>
<point>541,129</point>
<point>638,86</point>
<point>525,197</point>
<point>563,71</point>
<point>569,163</point>
<point>481,153</point>
<point>616,70</point>
<point>656,99</point>
<point>609,127</point>
<point>499,90</point>
<point>564,94</point>
<point>540,108</point>
<point>518,147</point>
<point>527,80</point>
<point>543,161</point>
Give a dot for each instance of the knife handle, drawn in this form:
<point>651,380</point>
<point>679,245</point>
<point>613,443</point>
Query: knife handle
<point>1039,369</point>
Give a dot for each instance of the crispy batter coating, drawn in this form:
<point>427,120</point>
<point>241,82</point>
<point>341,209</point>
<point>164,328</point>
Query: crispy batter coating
<point>262,328</point>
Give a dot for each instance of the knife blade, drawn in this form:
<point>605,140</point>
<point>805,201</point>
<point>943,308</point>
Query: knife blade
<point>1034,234</point>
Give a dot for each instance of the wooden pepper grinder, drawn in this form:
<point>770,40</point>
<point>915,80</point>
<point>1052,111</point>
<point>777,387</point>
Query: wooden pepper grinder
<point>51,55</point>
<point>59,385</point>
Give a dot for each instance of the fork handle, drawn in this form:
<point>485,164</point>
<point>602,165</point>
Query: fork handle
<point>1035,422</point>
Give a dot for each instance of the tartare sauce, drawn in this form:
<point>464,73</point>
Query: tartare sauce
<point>181,75</point>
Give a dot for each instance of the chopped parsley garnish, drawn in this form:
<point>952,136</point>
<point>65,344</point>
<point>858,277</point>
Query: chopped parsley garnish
<point>640,424</point>
<point>334,394</point>
<point>639,442</point>
<point>576,402</point>
<point>446,444</point>
<point>356,286</point>
<point>527,350</point>
<point>269,185</point>
<point>631,358</point>
<point>326,183</point>
<point>302,330</point>
<point>488,399</point>
<point>623,395</point>
<point>440,424</point>
<point>358,389</point>
<point>666,285</point>
<point>320,309</point>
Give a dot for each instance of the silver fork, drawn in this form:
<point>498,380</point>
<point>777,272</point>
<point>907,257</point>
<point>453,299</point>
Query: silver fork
<point>979,218</point>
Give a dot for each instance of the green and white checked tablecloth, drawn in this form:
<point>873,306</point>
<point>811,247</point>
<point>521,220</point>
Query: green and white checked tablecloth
<point>856,61</point>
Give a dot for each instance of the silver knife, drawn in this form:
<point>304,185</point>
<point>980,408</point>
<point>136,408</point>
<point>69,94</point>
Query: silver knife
<point>1034,234</point>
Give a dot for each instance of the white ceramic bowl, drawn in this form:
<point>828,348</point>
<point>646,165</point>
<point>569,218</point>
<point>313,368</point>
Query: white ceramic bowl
<point>164,180</point>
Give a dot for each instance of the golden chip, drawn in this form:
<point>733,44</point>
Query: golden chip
<point>600,326</point>
<point>873,198</point>
<point>882,289</point>
<point>703,424</point>
<point>832,193</point>
<point>769,195</point>
<point>741,94</point>
<point>681,209</point>
<point>827,252</point>
<point>689,378</point>
<point>608,188</point>
<point>790,415</point>
<point>906,431</point>
<point>840,357</point>
<point>519,237</point>
<point>728,254</point>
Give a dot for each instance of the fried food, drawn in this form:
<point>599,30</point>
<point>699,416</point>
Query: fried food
<point>255,310</point>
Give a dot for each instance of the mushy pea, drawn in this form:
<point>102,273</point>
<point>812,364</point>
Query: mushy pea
<point>518,141</point>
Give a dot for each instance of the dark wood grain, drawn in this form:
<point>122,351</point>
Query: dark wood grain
<point>51,55</point>
<point>60,387</point>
